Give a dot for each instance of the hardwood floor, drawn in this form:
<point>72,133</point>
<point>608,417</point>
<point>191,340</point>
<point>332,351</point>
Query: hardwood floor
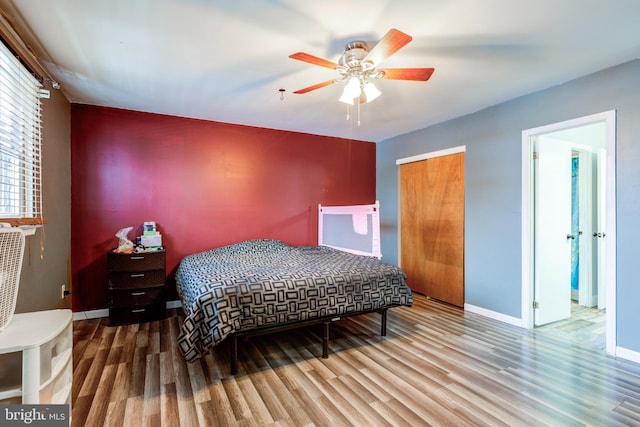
<point>437,366</point>
<point>587,325</point>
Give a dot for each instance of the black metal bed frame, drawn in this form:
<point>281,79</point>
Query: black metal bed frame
<point>326,321</point>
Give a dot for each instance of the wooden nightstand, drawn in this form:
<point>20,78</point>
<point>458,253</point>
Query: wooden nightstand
<point>137,291</point>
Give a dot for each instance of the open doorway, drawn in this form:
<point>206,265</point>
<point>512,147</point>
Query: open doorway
<point>570,264</point>
<point>569,212</point>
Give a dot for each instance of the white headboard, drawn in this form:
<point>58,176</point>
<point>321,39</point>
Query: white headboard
<point>354,229</point>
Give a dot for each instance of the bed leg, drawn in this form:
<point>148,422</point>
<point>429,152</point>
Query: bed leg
<point>234,354</point>
<point>383,323</point>
<point>325,339</point>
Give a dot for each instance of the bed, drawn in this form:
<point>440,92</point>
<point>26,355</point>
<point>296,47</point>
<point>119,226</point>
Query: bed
<point>264,285</point>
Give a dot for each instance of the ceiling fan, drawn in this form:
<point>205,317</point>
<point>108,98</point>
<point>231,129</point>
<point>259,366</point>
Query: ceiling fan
<point>358,67</point>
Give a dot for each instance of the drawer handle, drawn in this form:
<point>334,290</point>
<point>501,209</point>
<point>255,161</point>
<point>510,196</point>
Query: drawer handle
<point>139,310</point>
<point>137,294</point>
<point>136,257</point>
<point>137,275</point>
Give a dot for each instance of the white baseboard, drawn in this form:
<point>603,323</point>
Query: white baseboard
<point>91,314</point>
<point>493,315</point>
<point>627,354</point>
<point>104,312</point>
<point>174,304</point>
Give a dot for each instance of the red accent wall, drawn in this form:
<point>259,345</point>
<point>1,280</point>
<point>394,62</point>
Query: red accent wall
<point>206,184</point>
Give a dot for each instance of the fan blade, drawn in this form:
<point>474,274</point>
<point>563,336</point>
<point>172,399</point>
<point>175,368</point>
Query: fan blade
<point>314,87</point>
<point>305,57</point>
<point>420,74</point>
<point>393,41</point>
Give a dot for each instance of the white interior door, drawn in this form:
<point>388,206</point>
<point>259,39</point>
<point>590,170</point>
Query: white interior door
<point>552,230</point>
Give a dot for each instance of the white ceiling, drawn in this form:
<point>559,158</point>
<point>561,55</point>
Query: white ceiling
<point>225,60</point>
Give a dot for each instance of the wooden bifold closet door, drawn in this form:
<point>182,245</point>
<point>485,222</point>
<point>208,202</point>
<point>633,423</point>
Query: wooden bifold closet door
<point>432,227</point>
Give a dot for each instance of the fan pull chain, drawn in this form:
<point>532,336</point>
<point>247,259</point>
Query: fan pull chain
<point>358,101</point>
<point>348,112</point>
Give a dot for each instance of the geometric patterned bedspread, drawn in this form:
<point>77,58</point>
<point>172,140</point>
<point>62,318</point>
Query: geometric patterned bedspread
<point>260,283</point>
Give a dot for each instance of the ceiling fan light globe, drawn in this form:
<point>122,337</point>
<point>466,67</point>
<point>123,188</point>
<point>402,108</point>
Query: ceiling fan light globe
<point>345,98</point>
<point>352,89</point>
<point>371,92</point>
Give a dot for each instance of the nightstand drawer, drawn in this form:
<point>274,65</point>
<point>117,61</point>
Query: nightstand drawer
<point>136,279</point>
<point>124,315</point>
<point>135,261</point>
<point>136,297</point>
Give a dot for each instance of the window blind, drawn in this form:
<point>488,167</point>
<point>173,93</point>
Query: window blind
<point>20,140</point>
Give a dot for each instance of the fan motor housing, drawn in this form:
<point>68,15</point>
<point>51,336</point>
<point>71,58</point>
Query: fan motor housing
<point>354,53</point>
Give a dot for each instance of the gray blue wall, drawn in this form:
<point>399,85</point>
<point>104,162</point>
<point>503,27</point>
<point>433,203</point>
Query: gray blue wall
<point>493,140</point>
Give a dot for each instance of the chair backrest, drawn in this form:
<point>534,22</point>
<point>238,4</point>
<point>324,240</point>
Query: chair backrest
<point>11,254</point>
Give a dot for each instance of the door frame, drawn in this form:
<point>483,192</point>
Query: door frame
<point>609,118</point>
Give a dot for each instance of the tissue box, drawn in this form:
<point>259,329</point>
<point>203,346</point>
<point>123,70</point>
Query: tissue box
<point>151,241</point>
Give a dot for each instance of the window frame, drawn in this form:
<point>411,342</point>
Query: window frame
<point>20,142</point>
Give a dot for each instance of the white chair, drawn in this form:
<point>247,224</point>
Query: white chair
<point>11,254</point>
